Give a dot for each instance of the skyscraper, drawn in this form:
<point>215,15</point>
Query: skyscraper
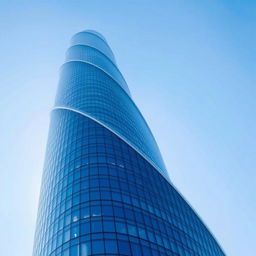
<point>105,189</point>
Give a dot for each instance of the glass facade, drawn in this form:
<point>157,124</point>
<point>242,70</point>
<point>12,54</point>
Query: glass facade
<point>105,189</point>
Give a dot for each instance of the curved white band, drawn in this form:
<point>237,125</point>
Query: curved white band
<point>117,134</point>
<point>92,64</point>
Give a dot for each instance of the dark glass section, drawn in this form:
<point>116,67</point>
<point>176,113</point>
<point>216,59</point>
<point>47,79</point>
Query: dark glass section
<point>100,197</point>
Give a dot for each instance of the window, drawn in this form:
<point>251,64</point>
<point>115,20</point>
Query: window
<point>85,249</point>
<point>98,246</point>
<point>111,246</point>
<point>74,251</point>
<point>109,226</point>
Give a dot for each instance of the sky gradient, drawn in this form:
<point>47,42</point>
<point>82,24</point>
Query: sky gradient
<point>190,66</point>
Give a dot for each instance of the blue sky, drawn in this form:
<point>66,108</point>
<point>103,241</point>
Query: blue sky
<point>190,66</point>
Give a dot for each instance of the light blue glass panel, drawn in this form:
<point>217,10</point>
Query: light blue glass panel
<point>92,55</point>
<point>94,40</point>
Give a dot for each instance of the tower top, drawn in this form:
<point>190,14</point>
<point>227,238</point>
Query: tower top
<point>93,39</point>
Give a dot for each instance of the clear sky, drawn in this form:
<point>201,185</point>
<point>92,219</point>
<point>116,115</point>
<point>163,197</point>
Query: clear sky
<point>190,66</point>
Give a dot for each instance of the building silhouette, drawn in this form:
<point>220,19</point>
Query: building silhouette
<point>105,189</point>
